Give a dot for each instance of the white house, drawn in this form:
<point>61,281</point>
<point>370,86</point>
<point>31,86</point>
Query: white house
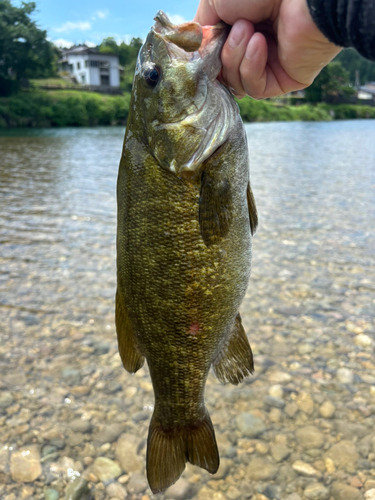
<point>367,91</point>
<point>90,67</point>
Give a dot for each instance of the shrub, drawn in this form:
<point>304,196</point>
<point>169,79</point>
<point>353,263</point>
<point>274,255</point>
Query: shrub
<point>63,108</point>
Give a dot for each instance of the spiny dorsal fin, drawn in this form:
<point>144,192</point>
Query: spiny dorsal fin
<point>130,355</point>
<point>235,362</point>
<point>253,214</point>
<point>215,208</point>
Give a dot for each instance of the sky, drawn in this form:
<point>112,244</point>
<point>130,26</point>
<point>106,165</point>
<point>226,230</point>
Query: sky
<point>83,21</point>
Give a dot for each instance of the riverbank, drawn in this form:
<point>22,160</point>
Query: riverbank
<point>63,108</point>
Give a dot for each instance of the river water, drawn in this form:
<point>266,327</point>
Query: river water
<point>312,285</point>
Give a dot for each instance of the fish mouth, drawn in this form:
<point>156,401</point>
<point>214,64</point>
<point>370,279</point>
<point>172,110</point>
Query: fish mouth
<point>190,41</point>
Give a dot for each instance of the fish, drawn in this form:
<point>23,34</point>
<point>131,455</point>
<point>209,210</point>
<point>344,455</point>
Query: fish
<point>186,216</point>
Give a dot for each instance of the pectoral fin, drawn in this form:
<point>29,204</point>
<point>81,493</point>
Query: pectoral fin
<point>131,358</point>
<point>253,214</point>
<point>215,208</point>
<point>235,362</point>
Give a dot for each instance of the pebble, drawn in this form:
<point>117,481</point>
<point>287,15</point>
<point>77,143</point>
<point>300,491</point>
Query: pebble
<point>344,376</point>
<point>279,452</point>
<point>181,490</point>
<point>137,483</point>
<point>274,402</point>
<point>233,493</point>
<point>126,453</point>
<point>305,403</point>
<point>363,340</point>
<point>279,377</point>
<point>272,491</point>
<point>79,425</point>
<point>260,469</point>
<point>116,490</point>
<point>80,390</point>
<point>109,434</point>
<point>316,491</point>
<point>305,469</point>
<point>106,469</point>
<point>51,494</point>
<point>25,464</point>
<point>370,494</point>
<point>327,409</point>
<point>6,399</point>
<point>344,455</point>
<point>250,425</point>
<point>310,437</point>
<point>341,491</point>
<point>276,391</point>
<point>76,489</point>
<point>291,409</point>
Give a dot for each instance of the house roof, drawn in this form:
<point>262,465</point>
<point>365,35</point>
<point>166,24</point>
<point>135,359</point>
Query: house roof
<point>83,49</point>
<point>368,87</point>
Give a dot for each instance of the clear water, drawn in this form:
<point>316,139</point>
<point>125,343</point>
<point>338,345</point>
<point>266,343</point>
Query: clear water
<point>313,274</point>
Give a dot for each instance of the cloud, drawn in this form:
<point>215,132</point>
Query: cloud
<point>101,14</point>
<point>176,18</point>
<point>69,26</point>
<point>60,42</point>
<point>66,44</point>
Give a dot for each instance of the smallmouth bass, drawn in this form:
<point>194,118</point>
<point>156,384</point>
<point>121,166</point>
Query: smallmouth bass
<point>186,215</point>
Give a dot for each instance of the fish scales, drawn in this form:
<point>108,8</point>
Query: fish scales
<point>183,257</point>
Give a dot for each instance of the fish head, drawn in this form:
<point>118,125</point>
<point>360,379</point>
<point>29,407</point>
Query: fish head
<point>176,92</point>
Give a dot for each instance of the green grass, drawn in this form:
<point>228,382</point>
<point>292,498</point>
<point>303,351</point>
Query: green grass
<point>62,108</point>
<point>41,82</point>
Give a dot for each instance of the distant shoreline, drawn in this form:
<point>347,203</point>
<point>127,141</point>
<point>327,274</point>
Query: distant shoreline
<point>62,108</point>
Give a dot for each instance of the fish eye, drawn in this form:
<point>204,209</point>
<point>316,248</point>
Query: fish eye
<point>152,74</point>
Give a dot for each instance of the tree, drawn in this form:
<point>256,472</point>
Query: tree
<point>352,62</point>
<point>24,49</point>
<point>333,80</point>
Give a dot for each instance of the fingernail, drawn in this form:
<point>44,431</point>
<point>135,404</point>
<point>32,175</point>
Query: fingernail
<point>236,35</point>
<point>251,49</point>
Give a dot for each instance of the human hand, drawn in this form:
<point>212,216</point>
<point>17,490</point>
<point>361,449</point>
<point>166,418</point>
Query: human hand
<point>274,46</point>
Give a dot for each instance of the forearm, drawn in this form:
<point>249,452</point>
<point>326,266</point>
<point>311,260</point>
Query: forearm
<point>347,23</point>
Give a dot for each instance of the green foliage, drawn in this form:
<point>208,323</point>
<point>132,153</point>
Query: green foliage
<point>24,49</point>
<point>62,109</point>
<point>350,111</point>
<point>332,80</point>
<point>72,108</point>
<point>127,54</point>
<point>266,111</point>
<point>352,62</point>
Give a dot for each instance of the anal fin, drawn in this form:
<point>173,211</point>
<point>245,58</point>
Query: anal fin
<point>235,362</point>
<point>131,358</point>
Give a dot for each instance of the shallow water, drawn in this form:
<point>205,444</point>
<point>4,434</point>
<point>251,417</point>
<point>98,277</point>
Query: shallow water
<point>313,283</point>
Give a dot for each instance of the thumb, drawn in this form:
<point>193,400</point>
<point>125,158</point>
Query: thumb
<point>230,11</point>
<point>206,14</point>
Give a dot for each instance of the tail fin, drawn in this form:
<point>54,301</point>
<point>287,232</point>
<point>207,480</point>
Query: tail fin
<point>169,450</point>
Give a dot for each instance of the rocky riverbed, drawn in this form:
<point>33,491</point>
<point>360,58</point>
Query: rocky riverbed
<point>73,423</point>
